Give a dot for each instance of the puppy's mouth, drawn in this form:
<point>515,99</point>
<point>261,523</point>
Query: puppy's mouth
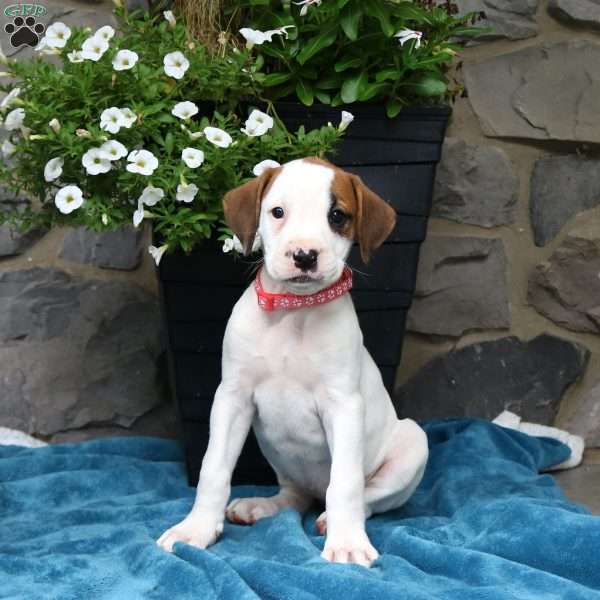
<point>304,279</point>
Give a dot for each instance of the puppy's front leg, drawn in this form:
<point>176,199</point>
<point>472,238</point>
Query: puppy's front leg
<point>230,420</point>
<point>347,540</point>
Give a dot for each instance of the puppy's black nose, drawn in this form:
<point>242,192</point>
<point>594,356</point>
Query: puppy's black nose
<point>305,261</point>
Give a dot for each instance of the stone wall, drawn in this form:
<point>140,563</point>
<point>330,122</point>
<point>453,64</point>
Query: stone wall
<point>507,308</point>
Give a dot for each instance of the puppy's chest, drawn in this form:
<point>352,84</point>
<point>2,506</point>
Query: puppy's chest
<point>290,382</point>
<point>289,350</point>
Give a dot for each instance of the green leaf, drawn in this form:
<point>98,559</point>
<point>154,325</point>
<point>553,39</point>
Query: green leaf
<point>316,44</point>
<point>349,21</point>
<point>351,87</point>
<point>273,79</point>
<point>348,63</point>
<point>370,90</point>
<point>169,142</point>
<point>329,83</point>
<point>305,92</point>
<point>323,97</point>
<point>375,8</point>
<point>393,108</point>
<point>337,100</point>
<point>428,86</point>
<point>388,75</point>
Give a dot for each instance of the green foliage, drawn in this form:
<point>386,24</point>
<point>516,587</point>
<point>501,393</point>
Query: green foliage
<point>76,94</point>
<point>344,51</point>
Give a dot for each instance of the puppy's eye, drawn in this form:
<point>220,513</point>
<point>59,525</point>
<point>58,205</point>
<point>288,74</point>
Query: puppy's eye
<point>277,212</point>
<point>337,218</point>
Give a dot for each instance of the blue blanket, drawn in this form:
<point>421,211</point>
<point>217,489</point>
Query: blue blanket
<point>79,522</point>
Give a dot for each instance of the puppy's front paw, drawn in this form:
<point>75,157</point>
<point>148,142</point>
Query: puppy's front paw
<point>246,511</point>
<point>350,547</point>
<point>199,532</point>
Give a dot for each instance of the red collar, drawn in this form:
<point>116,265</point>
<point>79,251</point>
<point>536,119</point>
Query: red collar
<point>271,302</point>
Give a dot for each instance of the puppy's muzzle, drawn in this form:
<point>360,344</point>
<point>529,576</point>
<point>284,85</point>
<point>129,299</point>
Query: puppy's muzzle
<point>305,261</point>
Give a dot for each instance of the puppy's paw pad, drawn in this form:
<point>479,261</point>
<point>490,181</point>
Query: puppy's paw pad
<point>353,549</point>
<point>246,511</point>
<point>194,532</point>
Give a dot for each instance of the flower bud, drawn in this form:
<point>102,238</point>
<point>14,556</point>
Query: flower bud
<point>83,133</point>
<point>54,125</point>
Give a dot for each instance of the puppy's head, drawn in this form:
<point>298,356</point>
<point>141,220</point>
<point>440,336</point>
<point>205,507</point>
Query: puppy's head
<point>308,213</point>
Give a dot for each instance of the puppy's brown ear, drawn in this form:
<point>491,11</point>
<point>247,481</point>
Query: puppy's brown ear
<point>375,219</point>
<point>242,207</point>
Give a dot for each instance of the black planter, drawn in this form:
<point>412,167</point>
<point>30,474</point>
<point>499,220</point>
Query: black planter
<point>397,159</point>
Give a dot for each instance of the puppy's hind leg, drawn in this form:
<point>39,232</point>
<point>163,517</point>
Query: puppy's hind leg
<point>402,470</point>
<point>398,477</point>
<point>246,511</point>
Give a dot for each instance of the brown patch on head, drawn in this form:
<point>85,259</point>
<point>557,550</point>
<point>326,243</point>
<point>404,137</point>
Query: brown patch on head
<point>242,206</point>
<point>371,219</point>
<point>345,200</point>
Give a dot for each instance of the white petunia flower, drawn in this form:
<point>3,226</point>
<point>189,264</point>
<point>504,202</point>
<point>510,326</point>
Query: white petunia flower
<point>138,215</point>
<point>53,169</point>
<point>112,119</point>
<point>57,35</point>
<point>218,137</point>
<point>54,124</point>
<point>10,98</point>
<point>113,150</point>
<point>347,118</point>
<point>262,166</point>
<point>234,243</point>
<point>105,33</point>
<point>176,64</point>
<point>151,196</point>
<point>124,60</point>
<point>194,135</point>
<point>94,48</point>
<point>14,119</point>
<point>157,253</point>
<point>104,219</point>
<point>185,110</point>
<point>44,48</point>
<point>404,35</point>
<point>186,192</point>
<point>68,199</point>
<point>75,56</point>
<point>255,37</point>
<point>192,158</point>
<point>258,123</point>
<point>129,117</point>
<point>142,162</point>
<point>95,162</point>
<point>170,17</point>
<point>305,4</point>
<point>8,148</point>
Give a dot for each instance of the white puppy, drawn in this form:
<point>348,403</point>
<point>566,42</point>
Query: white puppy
<point>301,376</point>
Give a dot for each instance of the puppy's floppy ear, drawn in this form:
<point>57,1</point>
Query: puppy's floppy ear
<point>242,207</point>
<point>375,219</point>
